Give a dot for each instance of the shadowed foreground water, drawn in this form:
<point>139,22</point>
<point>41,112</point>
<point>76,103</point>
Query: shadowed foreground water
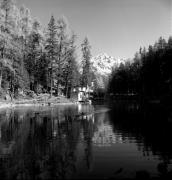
<point>84,141</point>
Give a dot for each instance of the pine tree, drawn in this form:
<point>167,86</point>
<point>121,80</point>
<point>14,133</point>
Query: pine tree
<point>29,59</point>
<point>6,38</point>
<point>33,56</point>
<point>51,48</point>
<point>70,68</point>
<point>25,22</point>
<point>86,56</point>
<point>62,51</point>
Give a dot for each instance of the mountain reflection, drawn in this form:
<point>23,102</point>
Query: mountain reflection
<point>66,142</point>
<point>104,134</point>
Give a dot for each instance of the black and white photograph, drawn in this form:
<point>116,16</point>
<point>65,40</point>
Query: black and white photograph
<point>85,89</point>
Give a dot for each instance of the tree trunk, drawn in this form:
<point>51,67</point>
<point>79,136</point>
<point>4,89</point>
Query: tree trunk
<point>57,88</point>
<point>11,88</point>
<point>1,68</point>
<point>67,88</point>
<point>0,77</point>
<point>51,92</point>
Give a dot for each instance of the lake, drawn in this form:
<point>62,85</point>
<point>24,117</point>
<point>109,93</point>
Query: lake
<point>123,140</point>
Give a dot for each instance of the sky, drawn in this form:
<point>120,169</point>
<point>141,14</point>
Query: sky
<point>115,27</point>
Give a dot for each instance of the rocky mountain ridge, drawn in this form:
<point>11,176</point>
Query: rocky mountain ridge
<point>104,63</point>
<point>102,66</point>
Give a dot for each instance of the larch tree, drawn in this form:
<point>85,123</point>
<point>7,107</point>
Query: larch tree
<point>51,51</point>
<point>34,55</point>
<point>62,51</point>
<point>6,39</point>
<point>86,70</point>
<point>31,59</point>
<point>70,66</point>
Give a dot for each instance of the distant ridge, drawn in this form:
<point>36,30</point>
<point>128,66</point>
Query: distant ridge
<point>103,63</point>
<point>102,66</point>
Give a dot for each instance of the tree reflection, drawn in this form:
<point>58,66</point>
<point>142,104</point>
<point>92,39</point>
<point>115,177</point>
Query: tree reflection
<point>149,127</point>
<point>88,127</point>
<point>54,142</point>
<point>40,146</point>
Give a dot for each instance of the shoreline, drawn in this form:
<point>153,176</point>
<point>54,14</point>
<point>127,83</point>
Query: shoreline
<point>4,105</point>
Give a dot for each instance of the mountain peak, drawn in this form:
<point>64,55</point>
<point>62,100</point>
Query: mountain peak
<point>102,66</point>
<point>103,63</point>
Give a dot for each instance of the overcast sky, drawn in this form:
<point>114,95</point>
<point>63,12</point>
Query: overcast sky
<point>117,27</point>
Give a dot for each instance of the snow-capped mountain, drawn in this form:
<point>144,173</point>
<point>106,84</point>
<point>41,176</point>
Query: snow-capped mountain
<point>102,67</point>
<point>103,64</point>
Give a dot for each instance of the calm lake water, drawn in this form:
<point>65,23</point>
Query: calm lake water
<point>85,141</point>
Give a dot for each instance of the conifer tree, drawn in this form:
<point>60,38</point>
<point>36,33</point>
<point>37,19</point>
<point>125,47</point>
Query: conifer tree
<point>86,56</point>
<point>51,49</point>
<point>31,59</point>
<point>33,56</point>
<point>70,68</point>
<point>6,37</point>
<point>62,50</point>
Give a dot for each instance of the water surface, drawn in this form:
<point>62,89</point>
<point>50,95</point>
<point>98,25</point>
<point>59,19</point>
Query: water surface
<point>85,141</point>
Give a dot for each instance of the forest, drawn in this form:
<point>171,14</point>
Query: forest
<point>34,59</point>
<point>149,74</point>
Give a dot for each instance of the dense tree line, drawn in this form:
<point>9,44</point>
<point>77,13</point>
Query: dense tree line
<point>149,74</point>
<point>36,59</point>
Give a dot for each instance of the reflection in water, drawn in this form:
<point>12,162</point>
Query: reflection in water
<point>84,141</point>
<point>104,134</point>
